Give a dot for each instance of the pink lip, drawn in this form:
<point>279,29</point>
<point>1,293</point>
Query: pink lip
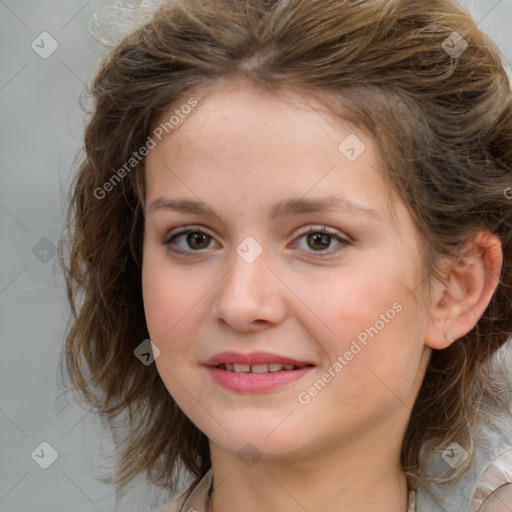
<point>255,382</point>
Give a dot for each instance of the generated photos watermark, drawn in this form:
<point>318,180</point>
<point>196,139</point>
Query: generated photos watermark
<point>305,397</point>
<point>137,156</point>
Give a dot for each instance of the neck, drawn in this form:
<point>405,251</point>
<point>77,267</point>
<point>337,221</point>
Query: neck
<point>349,478</point>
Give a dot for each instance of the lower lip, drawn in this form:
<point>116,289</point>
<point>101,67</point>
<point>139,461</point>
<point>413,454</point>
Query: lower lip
<point>256,382</point>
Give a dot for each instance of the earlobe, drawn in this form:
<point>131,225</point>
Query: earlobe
<point>463,296</point>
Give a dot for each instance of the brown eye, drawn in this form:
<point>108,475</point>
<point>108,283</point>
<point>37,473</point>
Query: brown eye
<point>196,240</point>
<point>188,240</point>
<point>319,241</point>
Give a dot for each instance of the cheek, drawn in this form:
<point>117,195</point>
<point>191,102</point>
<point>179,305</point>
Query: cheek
<point>370,319</point>
<point>176,304</point>
<point>166,298</point>
<point>351,300</point>
<point>169,310</point>
<point>382,360</point>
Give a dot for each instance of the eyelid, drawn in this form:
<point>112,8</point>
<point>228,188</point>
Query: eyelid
<point>303,231</point>
<point>186,229</point>
<point>335,234</point>
<point>343,240</point>
<point>322,228</point>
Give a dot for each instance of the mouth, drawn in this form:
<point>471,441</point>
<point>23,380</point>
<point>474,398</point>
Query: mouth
<point>255,372</point>
<point>258,368</point>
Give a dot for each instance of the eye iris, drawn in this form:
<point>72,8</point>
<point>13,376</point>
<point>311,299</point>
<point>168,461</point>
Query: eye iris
<point>194,237</point>
<point>319,238</point>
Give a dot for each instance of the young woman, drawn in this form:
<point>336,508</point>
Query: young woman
<point>289,261</point>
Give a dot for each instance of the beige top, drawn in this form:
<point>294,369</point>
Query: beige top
<point>197,500</point>
<point>493,492</point>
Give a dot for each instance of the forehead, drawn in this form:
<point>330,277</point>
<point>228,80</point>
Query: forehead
<point>236,120</point>
<point>241,140</point>
<point>232,109</point>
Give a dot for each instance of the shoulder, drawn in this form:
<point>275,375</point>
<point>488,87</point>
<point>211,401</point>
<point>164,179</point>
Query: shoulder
<point>494,489</point>
<point>175,505</point>
<point>195,500</point>
<point>498,501</point>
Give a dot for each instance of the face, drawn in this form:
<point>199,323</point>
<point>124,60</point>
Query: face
<point>276,284</point>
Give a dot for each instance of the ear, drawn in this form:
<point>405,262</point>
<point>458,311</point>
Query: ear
<point>459,301</point>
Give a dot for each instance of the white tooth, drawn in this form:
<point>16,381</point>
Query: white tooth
<point>259,368</point>
<point>275,367</point>
<point>242,368</point>
<point>229,367</point>
<point>288,366</point>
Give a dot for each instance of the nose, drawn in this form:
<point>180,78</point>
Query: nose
<point>250,296</point>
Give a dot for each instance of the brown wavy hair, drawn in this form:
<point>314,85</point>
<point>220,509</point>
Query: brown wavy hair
<point>444,127</point>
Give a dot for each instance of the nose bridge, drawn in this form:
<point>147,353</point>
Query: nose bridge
<point>248,292</point>
<point>249,267</point>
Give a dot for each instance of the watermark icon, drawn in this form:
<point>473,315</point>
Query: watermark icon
<point>454,45</point>
<point>249,454</point>
<point>44,45</point>
<point>44,455</point>
<point>304,397</point>
<point>351,147</point>
<point>454,455</point>
<point>138,156</point>
<point>249,249</point>
<point>147,352</point>
<point>44,250</point>
<point>508,192</point>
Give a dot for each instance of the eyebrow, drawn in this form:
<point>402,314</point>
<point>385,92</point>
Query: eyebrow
<point>299,205</point>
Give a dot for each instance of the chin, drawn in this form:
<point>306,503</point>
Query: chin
<point>261,437</point>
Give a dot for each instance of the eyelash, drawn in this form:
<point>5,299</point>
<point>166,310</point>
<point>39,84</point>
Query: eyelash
<point>193,229</point>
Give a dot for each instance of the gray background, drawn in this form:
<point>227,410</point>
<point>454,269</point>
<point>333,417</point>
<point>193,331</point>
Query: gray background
<point>40,134</point>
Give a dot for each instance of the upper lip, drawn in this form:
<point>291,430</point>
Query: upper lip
<point>253,358</point>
